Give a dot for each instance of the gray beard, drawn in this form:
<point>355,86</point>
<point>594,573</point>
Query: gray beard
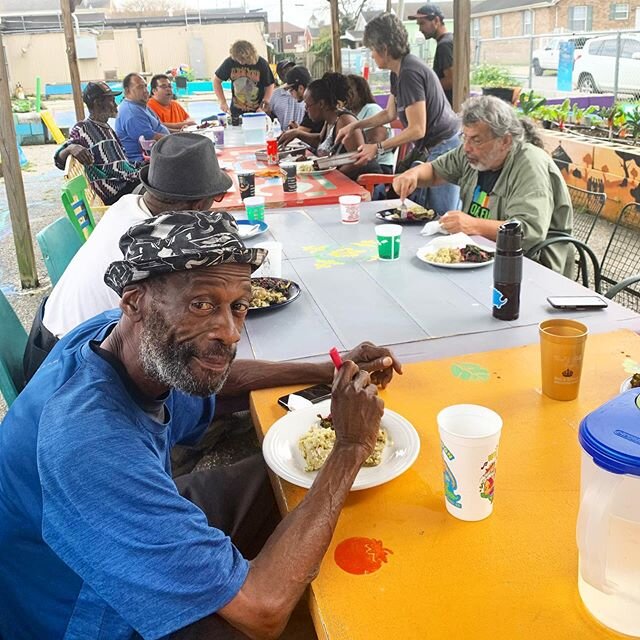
<point>169,363</point>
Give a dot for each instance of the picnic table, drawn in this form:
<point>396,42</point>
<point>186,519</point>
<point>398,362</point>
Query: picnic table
<point>513,575</point>
<point>314,189</point>
<point>421,311</point>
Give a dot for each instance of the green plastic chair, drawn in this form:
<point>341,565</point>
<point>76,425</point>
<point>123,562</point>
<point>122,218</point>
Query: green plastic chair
<point>77,206</point>
<point>13,340</point>
<point>58,242</point>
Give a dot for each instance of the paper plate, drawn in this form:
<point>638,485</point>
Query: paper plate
<point>281,453</point>
<point>250,228</point>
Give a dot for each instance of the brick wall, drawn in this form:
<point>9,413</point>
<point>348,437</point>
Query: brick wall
<point>550,19</point>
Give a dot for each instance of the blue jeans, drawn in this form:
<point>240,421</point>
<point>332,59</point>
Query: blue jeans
<point>443,198</point>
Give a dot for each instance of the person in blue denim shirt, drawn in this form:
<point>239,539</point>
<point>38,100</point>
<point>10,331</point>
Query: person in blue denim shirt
<point>418,100</point>
<point>135,119</point>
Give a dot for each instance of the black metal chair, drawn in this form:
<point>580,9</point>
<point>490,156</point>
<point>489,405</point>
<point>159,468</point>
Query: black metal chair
<point>583,250</point>
<point>587,207</point>
<point>622,286</point>
<point>621,259</point>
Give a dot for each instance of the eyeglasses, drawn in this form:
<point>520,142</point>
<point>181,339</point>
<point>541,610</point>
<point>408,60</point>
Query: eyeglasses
<point>475,141</point>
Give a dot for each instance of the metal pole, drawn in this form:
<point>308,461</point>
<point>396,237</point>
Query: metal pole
<point>530,65</point>
<point>281,28</point>
<point>14,185</point>
<point>388,8</point>
<point>617,68</point>
<point>67,21</point>
<point>141,48</point>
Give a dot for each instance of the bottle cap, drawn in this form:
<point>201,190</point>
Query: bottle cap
<point>509,236</point>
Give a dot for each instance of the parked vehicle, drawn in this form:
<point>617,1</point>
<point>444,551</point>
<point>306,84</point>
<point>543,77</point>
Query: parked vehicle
<point>546,59</point>
<point>595,69</point>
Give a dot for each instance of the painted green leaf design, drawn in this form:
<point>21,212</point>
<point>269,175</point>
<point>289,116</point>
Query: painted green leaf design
<point>470,371</point>
<point>631,366</point>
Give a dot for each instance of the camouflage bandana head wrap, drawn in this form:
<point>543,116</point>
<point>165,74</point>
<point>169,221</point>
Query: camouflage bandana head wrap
<point>179,240</point>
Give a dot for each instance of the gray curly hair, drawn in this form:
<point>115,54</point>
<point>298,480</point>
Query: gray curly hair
<point>501,118</point>
<point>386,34</point>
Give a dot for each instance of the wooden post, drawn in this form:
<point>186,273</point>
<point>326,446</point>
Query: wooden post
<point>461,51</point>
<point>388,8</point>
<point>67,7</point>
<point>335,36</point>
<point>13,183</point>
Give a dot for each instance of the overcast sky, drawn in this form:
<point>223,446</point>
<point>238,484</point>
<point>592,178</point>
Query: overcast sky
<point>296,12</point>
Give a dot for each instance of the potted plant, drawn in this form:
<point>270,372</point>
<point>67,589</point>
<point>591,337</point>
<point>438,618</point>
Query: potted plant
<point>495,81</point>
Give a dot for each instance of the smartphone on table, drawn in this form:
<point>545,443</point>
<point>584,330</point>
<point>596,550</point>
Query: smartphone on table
<point>305,397</point>
<point>577,302</point>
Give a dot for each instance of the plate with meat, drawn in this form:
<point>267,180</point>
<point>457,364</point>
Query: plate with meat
<point>415,215</point>
<point>297,445</point>
<point>272,293</point>
<point>454,255</point>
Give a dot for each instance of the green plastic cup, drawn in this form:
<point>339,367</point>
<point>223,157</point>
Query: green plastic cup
<point>388,236</point>
<point>254,206</point>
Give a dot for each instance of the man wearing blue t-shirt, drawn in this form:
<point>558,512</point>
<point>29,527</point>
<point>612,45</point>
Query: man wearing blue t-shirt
<point>135,120</point>
<point>96,540</point>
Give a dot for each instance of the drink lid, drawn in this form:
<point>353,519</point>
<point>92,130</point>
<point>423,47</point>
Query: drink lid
<point>611,434</point>
<point>509,236</point>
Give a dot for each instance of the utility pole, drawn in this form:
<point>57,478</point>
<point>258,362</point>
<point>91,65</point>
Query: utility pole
<point>67,7</point>
<point>335,36</point>
<point>13,183</point>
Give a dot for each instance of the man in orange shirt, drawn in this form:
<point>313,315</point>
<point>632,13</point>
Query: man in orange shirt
<point>168,110</point>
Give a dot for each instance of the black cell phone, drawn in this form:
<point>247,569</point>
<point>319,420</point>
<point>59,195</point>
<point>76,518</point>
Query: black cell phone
<point>311,395</point>
<point>577,302</point>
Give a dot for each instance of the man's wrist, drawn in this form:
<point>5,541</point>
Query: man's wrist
<point>380,148</point>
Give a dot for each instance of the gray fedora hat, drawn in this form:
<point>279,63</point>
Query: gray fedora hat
<point>184,166</point>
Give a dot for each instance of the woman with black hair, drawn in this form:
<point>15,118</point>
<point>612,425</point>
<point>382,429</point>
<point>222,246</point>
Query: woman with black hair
<point>363,105</point>
<point>325,99</point>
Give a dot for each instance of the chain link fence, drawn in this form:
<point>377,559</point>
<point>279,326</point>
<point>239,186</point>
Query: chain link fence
<point>606,62</point>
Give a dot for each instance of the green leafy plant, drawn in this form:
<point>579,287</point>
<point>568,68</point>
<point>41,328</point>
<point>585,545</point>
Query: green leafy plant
<point>530,103</point>
<point>579,115</point>
<point>23,105</point>
<point>632,122</point>
<point>614,117</point>
<point>488,75</point>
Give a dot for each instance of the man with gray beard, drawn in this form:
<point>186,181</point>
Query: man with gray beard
<point>504,174</point>
<point>96,539</point>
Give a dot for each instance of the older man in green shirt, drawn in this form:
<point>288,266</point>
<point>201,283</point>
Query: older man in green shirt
<point>503,174</point>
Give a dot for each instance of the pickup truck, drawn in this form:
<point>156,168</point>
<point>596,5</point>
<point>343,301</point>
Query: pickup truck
<point>546,59</point>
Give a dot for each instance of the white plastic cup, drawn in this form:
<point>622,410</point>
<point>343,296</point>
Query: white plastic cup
<point>272,265</point>
<point>388,237</point>
<point>350,209</point>
<point>469,436</point>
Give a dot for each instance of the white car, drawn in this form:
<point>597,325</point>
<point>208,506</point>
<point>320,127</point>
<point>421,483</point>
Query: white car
<point>546,59</point>
<point>594,69</point>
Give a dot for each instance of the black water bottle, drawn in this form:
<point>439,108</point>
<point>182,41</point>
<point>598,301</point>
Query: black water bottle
<point>507,271</point>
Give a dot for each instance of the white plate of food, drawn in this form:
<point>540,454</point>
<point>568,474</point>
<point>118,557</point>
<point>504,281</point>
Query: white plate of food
<point>282,453</point>
<point>630,383</point>
<point>456,252</point>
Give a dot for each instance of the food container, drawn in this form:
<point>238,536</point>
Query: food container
<point>254,128</point>
<point>608,529</point>
<point>340,159</point>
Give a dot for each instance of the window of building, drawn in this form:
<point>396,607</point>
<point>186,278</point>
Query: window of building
<point>475,28</point>
<point>497,26</point>
<point>287,38</point>
<point>618,11</point>
<point>580,18</point>
<point>527,22</point>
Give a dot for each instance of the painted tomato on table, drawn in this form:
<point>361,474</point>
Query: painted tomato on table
<point>360,555</point>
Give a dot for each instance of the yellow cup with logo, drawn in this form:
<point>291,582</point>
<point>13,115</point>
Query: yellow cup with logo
<point>561,350</point>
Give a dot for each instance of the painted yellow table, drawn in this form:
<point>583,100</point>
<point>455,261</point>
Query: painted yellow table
<point>511,576</point>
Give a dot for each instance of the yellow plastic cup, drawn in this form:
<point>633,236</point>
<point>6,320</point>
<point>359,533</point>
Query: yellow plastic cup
<point>561,352</point>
